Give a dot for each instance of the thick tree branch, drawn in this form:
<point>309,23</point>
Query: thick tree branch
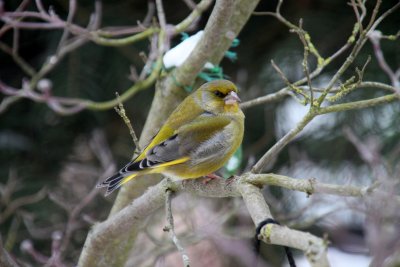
<point>247,186</point>
<point>314,248</point>
<point>105,235</point>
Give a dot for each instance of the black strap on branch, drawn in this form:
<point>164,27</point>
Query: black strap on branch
<point>257,241</point>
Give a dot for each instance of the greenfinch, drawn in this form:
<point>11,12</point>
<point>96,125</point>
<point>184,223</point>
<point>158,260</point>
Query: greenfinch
<point>197,139</point>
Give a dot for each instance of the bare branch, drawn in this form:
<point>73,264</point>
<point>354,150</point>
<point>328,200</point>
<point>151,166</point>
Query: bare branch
<point>357,13</point>
<point>266,99</point>
<point>190,3</point>
<point>131,216</point>
<point>375,38</point>
<point>292,87</point>
<point>121,112</point>
<point>358,104</point>
<point>306,70</point>
<point>161,14</point>
<point>71,13</point>
<point>22,201</point>
<point>278,146</point>
<point>315,248</point>
<point>189,20</point>
<point>40,7</point>
<point>171,229</point>
<point>28,69</point>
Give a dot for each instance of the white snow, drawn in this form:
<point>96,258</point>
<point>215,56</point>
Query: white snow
<point>339,258</point>
<point>178,54</point>
<point>232,163</point>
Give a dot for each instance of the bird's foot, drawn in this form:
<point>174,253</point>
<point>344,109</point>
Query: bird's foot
<point>209,177</point>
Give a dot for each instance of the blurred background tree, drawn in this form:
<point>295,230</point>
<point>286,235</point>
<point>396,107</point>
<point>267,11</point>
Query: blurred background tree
<point>51,156</point>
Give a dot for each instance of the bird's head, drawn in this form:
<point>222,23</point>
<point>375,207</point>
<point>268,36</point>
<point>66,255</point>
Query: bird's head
<point>219,96</point>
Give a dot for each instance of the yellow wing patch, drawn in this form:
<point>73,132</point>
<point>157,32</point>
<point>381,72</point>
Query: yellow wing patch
<point>170,163</point>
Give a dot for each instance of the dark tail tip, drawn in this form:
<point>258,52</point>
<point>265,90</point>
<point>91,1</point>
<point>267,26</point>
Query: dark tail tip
<point>112,183</point>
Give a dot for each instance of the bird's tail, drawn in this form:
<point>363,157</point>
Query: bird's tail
<point>114,182</point>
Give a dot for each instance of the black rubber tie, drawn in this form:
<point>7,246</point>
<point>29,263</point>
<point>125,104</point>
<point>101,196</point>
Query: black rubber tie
<point>257,242</point>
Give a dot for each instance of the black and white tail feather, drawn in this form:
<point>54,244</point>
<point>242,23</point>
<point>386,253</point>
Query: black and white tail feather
<point>125,174</point>
<point>164,152</point>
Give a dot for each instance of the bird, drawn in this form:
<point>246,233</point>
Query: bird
<point>196,140</point>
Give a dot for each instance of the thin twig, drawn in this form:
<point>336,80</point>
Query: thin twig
<point>265,99</point>
<point>121,112</point>
<point>68,106</point>
<point>374,14</point>
<point>171,229</point>
<point>357,13</point>
<point>71,13</point>
<point>27,247</point>
<point>149,15</point>
<point>15,45</point>
<point>278,146</point>
<point>193,17</point>
<point>284,91</point>
<point>152,56</point>
<point>294,88</point>
<point>161,14</point>
<point>53,60</point>
<point>40,7</point>
<point>28,69</point>
<point>375,38</point>
<point>22,201</point>
<point>306,70</point>
<point>190,3</point>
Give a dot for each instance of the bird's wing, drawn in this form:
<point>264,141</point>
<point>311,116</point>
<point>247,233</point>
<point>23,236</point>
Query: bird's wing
<point>184,114</point>
<point>177,148</point>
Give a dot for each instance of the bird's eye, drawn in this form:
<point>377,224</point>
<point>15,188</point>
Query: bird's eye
<point>219,94</point>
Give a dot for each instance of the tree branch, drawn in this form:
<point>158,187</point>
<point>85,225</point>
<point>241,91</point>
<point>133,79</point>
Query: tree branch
<point>314,247</point>
<point>278,146</point>
<point>309,186</point>
<point>171,229</point>
<point>132,216</point>
<point>359,104</point>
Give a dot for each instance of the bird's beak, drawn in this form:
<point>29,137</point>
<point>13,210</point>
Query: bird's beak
<point>232,98</point>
